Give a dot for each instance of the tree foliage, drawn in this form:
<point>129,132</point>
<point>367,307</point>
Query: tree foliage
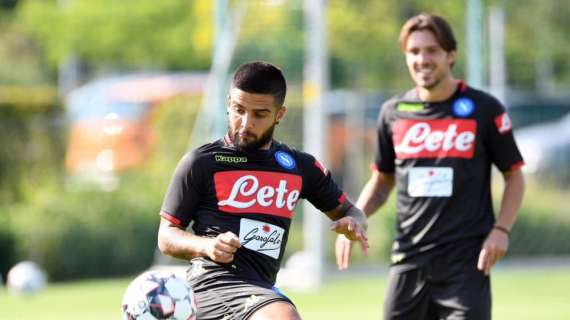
<point>363,35</point>
<point>126,34</point>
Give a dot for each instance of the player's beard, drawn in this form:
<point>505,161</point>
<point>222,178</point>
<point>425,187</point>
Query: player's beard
<point>432,82</point>
<point>244,146</point>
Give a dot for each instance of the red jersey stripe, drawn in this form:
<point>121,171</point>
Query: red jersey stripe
<point>517,165</point>
<point>342,198</point>
<point>171,218</point>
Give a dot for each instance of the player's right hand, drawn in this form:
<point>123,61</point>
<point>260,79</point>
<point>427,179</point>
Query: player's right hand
<point>223,247</point>
<point>343,250</point>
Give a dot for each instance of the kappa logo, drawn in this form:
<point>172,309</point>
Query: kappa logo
<point>230,159</point>
<point>243,191</point>
<point>442,138</point>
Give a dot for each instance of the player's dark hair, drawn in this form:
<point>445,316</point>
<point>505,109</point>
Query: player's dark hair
<point>436,24</point>
<point>261,77</point>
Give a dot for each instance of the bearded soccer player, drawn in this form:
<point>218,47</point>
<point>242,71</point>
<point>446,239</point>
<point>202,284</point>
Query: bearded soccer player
<point>240,192</point>
<point>437,143</point>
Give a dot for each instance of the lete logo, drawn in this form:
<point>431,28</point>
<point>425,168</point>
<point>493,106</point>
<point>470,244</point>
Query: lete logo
<point>243,191</point>
<point>442,138</point>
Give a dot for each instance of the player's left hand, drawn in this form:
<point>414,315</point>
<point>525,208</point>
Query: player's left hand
<point>494,248</point>
<point>343,251</point>
<point>352,230</point>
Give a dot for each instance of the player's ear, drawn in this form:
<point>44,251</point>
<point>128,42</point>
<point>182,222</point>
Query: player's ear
<point>280,113</point>
<point>451,55</point>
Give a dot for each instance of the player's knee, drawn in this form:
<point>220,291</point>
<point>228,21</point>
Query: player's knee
<point>276,311</point>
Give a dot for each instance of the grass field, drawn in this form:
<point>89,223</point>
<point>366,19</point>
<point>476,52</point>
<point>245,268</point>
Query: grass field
<point>518,294</point>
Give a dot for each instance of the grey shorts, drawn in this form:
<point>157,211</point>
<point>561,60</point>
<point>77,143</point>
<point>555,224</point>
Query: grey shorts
<point>227,296</point>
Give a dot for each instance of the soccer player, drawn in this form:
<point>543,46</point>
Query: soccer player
<point>437,143</point>
<point>240,192</point>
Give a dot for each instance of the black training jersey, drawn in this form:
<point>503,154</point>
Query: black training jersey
<point>253,195</point>
<point>441,154</point>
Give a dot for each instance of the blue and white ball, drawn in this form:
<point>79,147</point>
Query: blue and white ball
<point>159,295</point>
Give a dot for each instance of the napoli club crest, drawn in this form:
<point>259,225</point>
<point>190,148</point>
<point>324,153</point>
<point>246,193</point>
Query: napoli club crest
<point>285,160</point>
<point>463,107</point>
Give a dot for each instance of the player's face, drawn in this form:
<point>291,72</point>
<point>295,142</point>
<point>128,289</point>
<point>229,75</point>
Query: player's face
<point>252,119</point>
<point>429,64</point>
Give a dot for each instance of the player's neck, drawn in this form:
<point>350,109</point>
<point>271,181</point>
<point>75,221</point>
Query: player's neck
<point>441,92</point>
<point>267,146</point>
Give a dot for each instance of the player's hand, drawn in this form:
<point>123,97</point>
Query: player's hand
<point>494,248</point>
<point>352,230</point>
<point>343,250</point>
<point>223,247</point>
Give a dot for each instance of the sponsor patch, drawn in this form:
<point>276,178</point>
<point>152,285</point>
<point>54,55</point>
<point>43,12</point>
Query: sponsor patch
<point>285,160</point>
<point>503,123</point>
<point>410,107</point>
<point>230,159</point>
<point>463,107</point>
<point>430,182</point>
<point>244,191</point>
<point>261,236</point>
<point>441,138</point>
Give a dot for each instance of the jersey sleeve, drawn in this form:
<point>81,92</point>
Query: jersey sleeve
<point>384,154</point>
<point>183,195</point>
<point>500,141</point>
<point>319,188</point>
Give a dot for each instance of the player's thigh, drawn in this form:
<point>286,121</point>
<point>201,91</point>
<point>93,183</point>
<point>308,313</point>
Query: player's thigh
<point>278,310</point>
<point>407,295</point>
<point>466,296</point>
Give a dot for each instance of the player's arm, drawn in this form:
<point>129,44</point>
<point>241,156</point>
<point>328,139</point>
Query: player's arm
<point>350,222</point>
<point>375,192</point>
<point>497,242</point>
<point>174,241</point>
<point>373,196</point>
<point>512,199</point>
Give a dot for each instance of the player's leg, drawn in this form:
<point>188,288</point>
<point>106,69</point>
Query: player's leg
<point>407,295</point>
<point>279,310</point>
<point>228,296</point>
<point>470,299</point>
<point>465,292</point>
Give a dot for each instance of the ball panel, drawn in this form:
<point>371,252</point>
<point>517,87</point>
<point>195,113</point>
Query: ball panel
<point>184,310</point>
<point>177,288</point>
<point>158,295</point>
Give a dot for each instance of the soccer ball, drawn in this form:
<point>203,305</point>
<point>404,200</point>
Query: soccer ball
<point>159,295</point>
<point>26,278</point>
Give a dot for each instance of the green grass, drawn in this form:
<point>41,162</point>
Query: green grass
<point>518,294</point>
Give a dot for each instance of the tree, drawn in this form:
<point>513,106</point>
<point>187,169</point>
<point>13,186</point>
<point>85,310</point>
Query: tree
<point>126,34</point>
